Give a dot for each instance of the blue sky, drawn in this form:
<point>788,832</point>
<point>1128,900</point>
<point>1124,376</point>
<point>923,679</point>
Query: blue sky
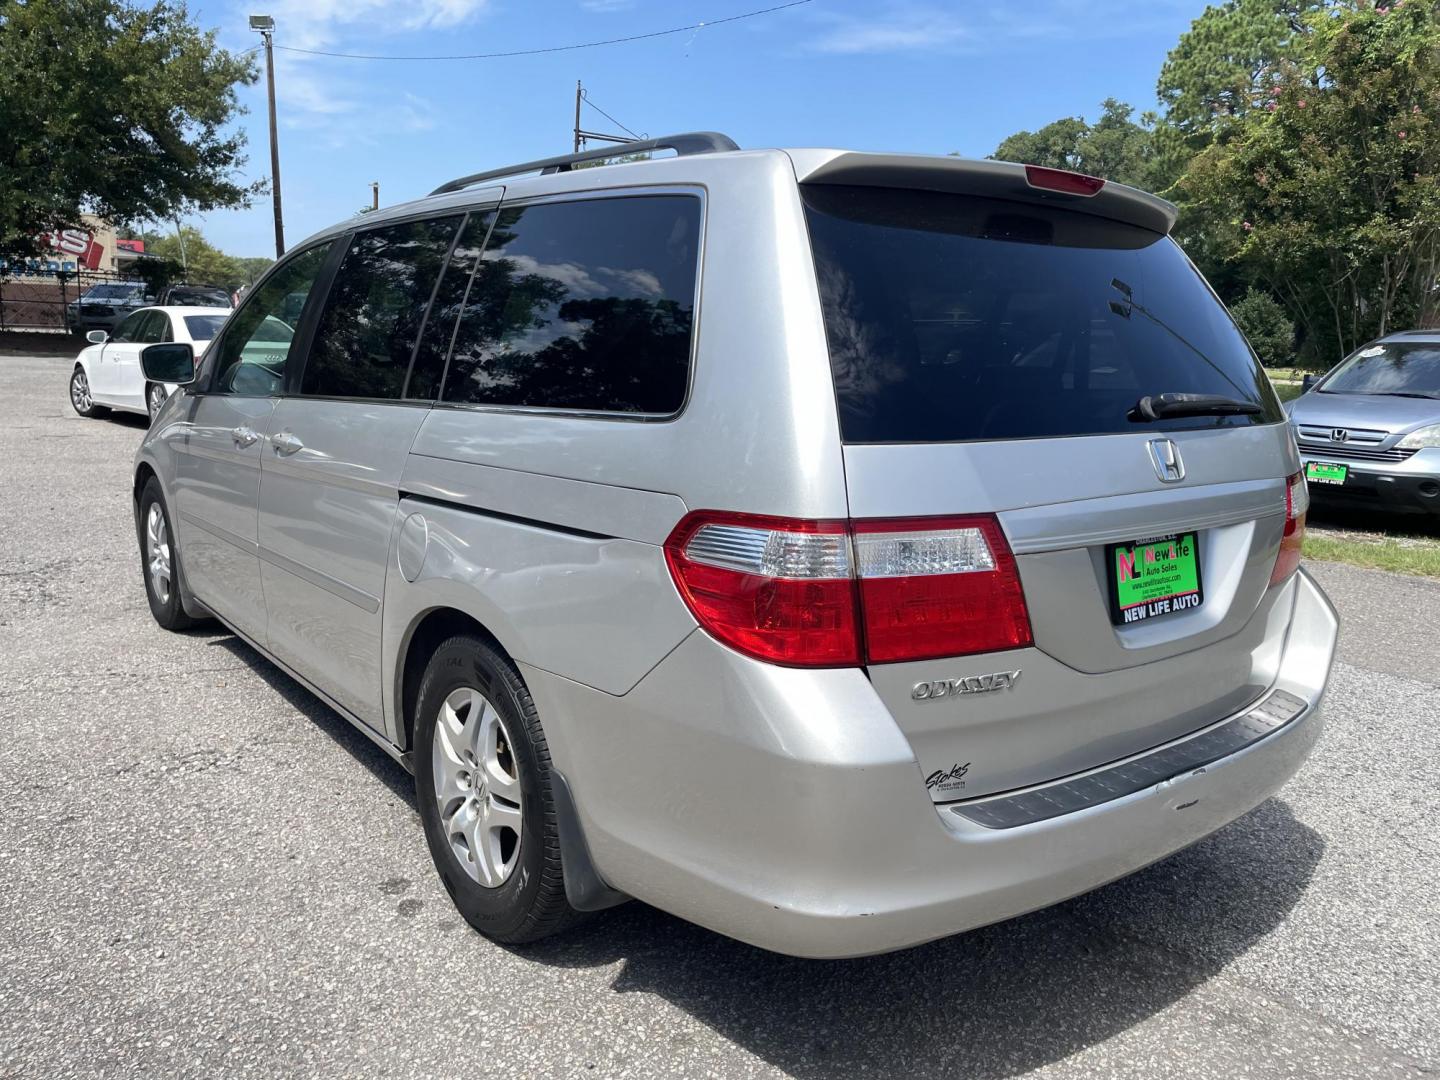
<point>912,76</point>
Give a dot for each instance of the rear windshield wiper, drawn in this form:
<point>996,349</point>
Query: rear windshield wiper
<point>1165,406</point>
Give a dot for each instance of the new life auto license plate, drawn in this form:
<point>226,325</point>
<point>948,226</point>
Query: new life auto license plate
<point>1321,472</point>
<point>1154,577</point>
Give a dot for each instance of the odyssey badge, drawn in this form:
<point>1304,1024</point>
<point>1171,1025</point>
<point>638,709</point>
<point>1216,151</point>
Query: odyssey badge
<point>968,684</point>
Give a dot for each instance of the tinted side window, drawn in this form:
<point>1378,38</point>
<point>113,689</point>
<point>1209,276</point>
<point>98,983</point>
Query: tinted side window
<point>260,335</point>
<point>582,305</point>
<point>154,328</point>
<point>130,327</point>
<point>375,309</point>
<point>429,363</point>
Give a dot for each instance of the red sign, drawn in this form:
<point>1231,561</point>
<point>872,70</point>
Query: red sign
<point>78,245</point>
<point>131,245</point>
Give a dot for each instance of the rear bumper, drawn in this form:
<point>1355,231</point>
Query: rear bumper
<point>1410,486</point>
<point>785,808</point>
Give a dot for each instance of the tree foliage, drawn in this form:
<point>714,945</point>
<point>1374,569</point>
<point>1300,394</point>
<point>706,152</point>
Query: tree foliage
<point>201,262</point>
<point>1328,194</point>
<point>122,111</point>
<point>1228,60</point>
<point>1115,147</point>
<point>1264,323</point>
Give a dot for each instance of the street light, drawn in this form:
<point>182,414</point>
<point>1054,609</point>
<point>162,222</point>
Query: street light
<point>265,26</point>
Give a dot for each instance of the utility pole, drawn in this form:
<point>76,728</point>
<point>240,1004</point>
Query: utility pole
<point>581,135</point>
<point>265,24</point>
<point>578,95</point>
<point>374,194</point>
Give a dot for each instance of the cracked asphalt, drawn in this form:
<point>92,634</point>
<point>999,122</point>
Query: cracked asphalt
<point>203,871</point>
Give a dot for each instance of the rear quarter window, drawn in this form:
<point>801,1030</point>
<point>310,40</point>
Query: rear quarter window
<point>955,318</point>
<point>584,304</point>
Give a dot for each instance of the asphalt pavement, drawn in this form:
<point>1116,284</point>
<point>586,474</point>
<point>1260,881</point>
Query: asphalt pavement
<point>204,871</point>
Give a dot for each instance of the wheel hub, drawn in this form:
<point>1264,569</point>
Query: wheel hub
<point>477,787</point>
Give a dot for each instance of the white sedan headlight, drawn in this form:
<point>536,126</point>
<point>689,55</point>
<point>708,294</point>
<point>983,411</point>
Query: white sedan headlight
<point>1421,439</point>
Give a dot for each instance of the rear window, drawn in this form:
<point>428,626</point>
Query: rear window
<point>203,327</point>
<point>953,318</point>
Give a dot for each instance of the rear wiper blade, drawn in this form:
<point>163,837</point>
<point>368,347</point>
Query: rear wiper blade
<point>1165,406</point>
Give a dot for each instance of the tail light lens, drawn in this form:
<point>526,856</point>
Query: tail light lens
<point>1297,502</point>
<point>1071,183</point>
<point>772,588</point>
<point>938,587</point>
<point>836,593</point>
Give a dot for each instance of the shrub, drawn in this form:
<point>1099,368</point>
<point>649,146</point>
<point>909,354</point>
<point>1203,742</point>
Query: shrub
<point>1263,321</point>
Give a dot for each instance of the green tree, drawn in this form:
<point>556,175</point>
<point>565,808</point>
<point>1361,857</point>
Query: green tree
<point>1115,147</point>
<point>1264,323</point>
<point>1229,60</point>
<point>123,111</point>
<point>1328,195</point>
<point>202,261</point>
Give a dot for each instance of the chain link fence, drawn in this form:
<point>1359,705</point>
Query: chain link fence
<point>37,300</point>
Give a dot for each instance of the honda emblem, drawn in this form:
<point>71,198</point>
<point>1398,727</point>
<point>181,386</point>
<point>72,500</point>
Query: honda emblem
<point>1165,456</point>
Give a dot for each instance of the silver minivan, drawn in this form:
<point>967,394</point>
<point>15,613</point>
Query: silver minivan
<point>839,550</point>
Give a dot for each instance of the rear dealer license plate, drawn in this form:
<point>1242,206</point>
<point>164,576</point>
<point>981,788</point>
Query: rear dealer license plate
<point>1319,472</point>
<point>1154,577</point>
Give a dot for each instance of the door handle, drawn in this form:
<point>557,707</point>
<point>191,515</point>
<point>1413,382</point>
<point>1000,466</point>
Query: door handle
<point>286,444</point>
<point>244,437</point>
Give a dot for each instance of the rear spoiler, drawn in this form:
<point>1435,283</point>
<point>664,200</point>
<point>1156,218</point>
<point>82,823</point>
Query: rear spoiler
<point>995,179</point>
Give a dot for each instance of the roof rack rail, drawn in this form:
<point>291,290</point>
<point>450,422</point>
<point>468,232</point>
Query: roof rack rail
<point>684,144</point>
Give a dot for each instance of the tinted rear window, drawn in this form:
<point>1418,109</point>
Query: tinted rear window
<point>953,318</point>
<point>203,327</point>
<point>584,304</point>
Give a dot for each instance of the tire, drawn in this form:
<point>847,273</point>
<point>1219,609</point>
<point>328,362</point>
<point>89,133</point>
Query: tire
<point>160,560</point>
<point>155,396</point>
<point>514,893</point>
<point>80,398</point>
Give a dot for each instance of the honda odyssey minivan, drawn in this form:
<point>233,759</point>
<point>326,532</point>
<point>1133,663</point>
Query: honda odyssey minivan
<point>838,550</point>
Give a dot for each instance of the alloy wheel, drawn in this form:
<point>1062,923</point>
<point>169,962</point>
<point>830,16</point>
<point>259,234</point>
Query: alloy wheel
<point>477,787</point>
<point>157,553</point>
<point>154,399</point>
<point>80,391</point>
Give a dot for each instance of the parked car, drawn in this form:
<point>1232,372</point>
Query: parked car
<point>1369,431</point>
<point>839,550</point>
<point>214,296</point>
<point>107,373</point>
<point>103,306</point>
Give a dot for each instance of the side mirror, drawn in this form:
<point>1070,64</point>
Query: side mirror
<point>1307,382</point>
<point>97,337</point>
<point>169,362</point>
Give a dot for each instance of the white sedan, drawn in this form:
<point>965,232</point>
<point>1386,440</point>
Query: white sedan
<point>107,375</point>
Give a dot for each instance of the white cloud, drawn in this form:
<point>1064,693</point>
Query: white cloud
<point>602,7</point>
<point>895,30</point>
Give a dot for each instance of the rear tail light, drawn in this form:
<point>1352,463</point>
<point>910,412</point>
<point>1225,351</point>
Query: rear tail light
<point>1071,183</point>
<point>836,594</point>
<point>1297,502</point>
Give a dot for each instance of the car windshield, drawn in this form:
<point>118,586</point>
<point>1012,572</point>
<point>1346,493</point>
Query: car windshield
<point>1403,368</point>
<point>111,292</point>
<point>203,327</point>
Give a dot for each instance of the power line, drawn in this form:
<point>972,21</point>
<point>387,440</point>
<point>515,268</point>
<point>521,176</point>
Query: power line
<point>585,97</point>
<point>555,48</point>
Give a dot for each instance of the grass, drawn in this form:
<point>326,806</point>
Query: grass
<point>1400,554</point>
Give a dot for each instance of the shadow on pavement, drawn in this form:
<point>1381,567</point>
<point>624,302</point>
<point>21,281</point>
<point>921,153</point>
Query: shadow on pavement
<point>991,1003</point>
<point>383,767</point>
